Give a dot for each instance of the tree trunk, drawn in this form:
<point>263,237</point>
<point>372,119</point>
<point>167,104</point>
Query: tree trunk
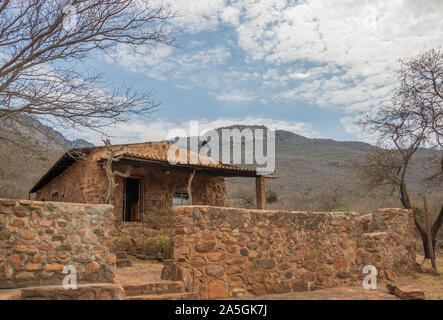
<point>428,233</point>
<point>406,202</point>
<point>434,231</point>
<point>111,181</point>
<point>189,188</point>
<point>423,235</point>
<point>436,226</point>
<point>107,165</point>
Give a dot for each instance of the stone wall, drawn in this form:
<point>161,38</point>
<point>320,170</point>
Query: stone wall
<point>37,239</point>
<point>225,252</point>
<point>100,291</point>
<point>85,182</point>
<point>158,188</point>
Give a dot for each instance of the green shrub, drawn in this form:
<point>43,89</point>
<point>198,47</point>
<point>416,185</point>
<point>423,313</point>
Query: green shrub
<point>159,247</point>
<point>271,196</point>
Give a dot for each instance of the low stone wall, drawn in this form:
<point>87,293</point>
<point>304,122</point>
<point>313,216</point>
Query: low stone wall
<point>37,239</point>
<point>225,252</point>
<point>102,291</point>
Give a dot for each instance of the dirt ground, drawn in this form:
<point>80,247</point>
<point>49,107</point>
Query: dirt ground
<point>432,285</point>
<point>140,272</point>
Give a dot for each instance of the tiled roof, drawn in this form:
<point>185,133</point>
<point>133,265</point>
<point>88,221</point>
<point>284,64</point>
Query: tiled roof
<point>210,163</point>
<point>147,152</point>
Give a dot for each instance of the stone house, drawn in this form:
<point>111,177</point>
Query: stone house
<point>153,188</point>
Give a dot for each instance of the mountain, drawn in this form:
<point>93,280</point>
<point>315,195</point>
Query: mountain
<point>312,174</point>
<point>22,164</point>
<point>79,143</point>
<point>34,130</point>
<point>320,174</point>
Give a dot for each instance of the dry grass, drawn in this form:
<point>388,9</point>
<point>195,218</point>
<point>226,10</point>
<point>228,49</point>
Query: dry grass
<point>432,285</point>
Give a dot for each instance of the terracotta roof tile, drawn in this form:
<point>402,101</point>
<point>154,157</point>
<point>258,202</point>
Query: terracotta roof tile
<point>147,152</point>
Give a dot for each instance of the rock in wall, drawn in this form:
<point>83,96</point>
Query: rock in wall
<point>226,252</point>
<point>38,239</point>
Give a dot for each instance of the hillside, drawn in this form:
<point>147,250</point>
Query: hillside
<point>35,131</point>
<point>312,174</point>
<point>22,164</point>
<point>319,174</point>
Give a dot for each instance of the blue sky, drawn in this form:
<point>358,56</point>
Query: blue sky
<point>310,67</point>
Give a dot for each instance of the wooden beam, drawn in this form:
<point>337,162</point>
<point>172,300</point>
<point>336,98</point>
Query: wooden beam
<point>188,168</point>
<point>260,192</point>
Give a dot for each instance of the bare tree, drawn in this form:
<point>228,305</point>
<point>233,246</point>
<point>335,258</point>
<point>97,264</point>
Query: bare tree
<point>247,200</point>
<point>41,43</point>
<point>111,156</point>
<point>332,197</point>
<point>189,187</point>
<point>412,120</point>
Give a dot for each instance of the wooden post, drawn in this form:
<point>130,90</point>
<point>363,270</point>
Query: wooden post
<point>428,233</point>
<point>260,192</point>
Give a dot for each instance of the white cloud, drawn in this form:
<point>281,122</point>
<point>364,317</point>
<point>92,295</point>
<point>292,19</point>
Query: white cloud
<point>236,96</point>
<point>159,62</point>
<point>364,40</point>
<point>231,15</point>
<point>351,127</point>
<point>300,75</point>
<point>339,54</point>
<point>194,16</point>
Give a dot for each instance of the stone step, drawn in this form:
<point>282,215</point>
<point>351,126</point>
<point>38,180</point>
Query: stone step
<point>121,263</point>
<point>166,296</point>
<point>163,287</point>
<point>121,255</point>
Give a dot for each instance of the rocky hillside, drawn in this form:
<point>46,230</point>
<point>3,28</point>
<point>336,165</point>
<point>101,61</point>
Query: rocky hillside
<point>35,131</point>
<point>22,164</point>
<point>312,174</point>
<point>320,174</point>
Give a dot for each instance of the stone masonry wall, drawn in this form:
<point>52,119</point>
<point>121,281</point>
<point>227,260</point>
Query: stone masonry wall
<point>226,252</point>
<point>37,239</point>
<point>85,182</point>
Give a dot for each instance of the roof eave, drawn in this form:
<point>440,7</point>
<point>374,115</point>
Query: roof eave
<point>226,172</point>
<point>52,173</point>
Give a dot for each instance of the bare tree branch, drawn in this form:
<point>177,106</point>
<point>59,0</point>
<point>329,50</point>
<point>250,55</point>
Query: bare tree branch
<point>189,187</point>
<point>112,155</point>
<point>41,43</point>
<point>413,119</point>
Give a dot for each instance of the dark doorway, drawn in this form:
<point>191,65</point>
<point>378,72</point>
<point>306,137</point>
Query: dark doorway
<point>132,199</point>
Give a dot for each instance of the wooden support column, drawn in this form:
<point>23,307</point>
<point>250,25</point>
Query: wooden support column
<point>260,192</point>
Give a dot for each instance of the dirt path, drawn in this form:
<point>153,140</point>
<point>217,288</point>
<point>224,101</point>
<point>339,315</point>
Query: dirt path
<point>141,272</point>
<point>342,293</point>
<point>150,271</point>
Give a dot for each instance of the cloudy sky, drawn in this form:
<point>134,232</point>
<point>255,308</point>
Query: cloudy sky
<point>307,66</point>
